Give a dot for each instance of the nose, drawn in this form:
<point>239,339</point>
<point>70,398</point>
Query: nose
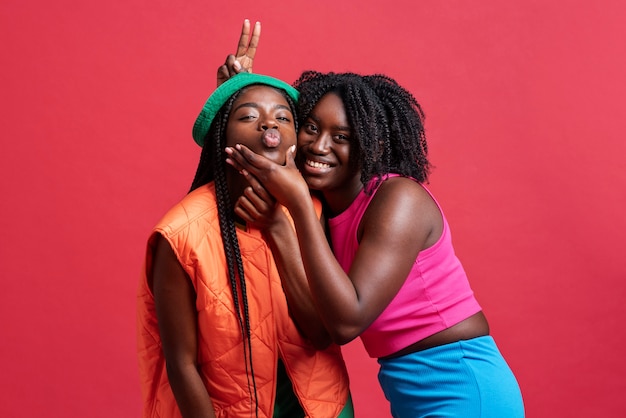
<point>268,123</point>
<point>320,145</point>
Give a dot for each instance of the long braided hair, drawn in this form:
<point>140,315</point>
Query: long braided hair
<point>212,167</point>
<point>387,122</point>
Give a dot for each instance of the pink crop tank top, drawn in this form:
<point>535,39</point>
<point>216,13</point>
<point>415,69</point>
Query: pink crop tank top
<point>436,295</point>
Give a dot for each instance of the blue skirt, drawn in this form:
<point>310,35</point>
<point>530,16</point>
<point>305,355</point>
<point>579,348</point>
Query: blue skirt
<point>468,379</point>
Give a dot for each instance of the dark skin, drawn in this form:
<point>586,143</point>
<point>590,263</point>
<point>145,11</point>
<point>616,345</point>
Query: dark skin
<point>257,207</point>
<point>401,221</point>
<point>176,313</point>
<point>390,236</point>
<point>246,50</point>
<point>390,239</point>
<point>262,119</point>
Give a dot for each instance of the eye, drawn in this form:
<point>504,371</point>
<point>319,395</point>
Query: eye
<point>247,117</point>
<point>341,138</point>
<point>310,128</point>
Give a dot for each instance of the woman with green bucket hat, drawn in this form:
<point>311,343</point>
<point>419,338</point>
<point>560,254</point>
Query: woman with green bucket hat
<point>216,334</point>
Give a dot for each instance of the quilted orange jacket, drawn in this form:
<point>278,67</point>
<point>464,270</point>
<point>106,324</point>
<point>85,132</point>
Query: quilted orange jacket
<point>319,378</point>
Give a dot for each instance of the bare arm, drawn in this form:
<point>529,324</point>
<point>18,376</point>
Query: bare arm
<point>176,314</point>
<point>257,207</point>
<point>396,226</point>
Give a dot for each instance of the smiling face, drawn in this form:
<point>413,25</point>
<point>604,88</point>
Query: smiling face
<point>324,153</point>
<point>261,119</point>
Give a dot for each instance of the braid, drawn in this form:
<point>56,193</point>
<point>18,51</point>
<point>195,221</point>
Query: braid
<point>386,121</point>
<point>235,265</point>
<point>212,167</point>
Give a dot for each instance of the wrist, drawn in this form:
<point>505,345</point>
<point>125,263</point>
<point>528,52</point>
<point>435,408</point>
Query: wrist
<point>279,222</point>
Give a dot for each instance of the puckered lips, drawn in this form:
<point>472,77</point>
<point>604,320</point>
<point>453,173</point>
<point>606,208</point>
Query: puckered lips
<point>271,138</point>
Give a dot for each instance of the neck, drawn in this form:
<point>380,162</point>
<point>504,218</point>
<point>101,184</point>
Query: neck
<point>236,185</point>
<point>339,200</point>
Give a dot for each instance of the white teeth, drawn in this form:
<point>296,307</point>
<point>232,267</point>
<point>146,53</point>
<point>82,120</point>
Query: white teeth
<point>316,164</point>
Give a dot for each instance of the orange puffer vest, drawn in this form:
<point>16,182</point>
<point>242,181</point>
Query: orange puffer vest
<point>319,378</point>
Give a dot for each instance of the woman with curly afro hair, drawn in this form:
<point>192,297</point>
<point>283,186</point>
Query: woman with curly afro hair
<point>389,273</point>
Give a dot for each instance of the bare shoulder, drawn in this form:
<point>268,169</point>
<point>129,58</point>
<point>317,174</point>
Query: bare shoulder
<point>403,206</point>
<point>405,193</point>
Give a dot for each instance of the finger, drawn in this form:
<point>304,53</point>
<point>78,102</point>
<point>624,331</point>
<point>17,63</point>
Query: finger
<point>257,193</point>
<point>237,159</point>
<point>291,157</point>
<point>233,65</point>
<point>257,206</point>
<point>254,209</point>
<point>253,160</point>
<point>234,164</point>
<point>244,38</point>
<point>222,74</point>
<point>254,41</point>
<point>241,211</point>
<point>256,187</point>
<point>233,158</point>
<point>244,204</point>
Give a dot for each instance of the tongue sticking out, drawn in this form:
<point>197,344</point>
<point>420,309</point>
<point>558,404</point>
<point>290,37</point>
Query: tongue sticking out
<point>271,138</point>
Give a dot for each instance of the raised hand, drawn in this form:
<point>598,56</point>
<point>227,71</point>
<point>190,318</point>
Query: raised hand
<point>246,50</point>
<point>258,207</point>
<point>284,182</point>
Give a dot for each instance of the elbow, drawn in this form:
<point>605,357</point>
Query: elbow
<point>342,340</point>
<point>342,335</point>
<point>322,343</point>
<point>320,339</point>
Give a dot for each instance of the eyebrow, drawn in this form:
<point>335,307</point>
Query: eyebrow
<point>336,127</point>
<point>255,105</point>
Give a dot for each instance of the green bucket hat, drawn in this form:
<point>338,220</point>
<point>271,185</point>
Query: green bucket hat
<point>217,99</point>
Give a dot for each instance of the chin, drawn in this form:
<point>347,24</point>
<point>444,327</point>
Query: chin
<point>313,182</point>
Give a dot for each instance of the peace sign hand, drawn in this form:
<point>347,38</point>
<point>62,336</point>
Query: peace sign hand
<point>246,50</point>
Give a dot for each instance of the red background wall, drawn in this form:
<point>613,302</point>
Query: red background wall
<point>525,115</point>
